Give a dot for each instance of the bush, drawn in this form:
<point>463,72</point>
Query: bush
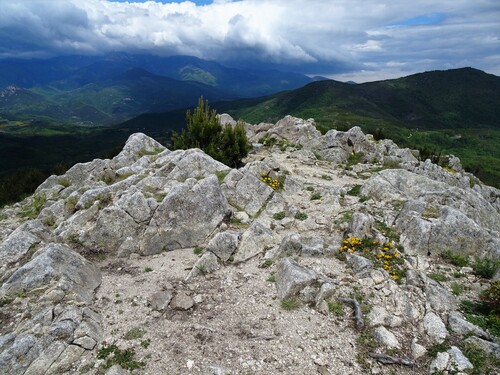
<point>227,144</point>
<point>486,268</point>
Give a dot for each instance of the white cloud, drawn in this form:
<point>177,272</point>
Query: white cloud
<point>321,36</point>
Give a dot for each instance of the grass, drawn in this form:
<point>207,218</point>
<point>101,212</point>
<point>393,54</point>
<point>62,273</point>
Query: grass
<point>156,151</point>
<point>197,251</point>
<point>266,264</point>
<point>336,307</point>
<point>484,363</point>
<point>221,175</point>
<point>315,196</point>
<point>326,177</point>
<point>32,211</point>
<point>134,333</point>
<point>456,259</point>
<point>148,269</point>
<point>366,344</point>
<point>279,215</point>
<point>483,315</point>
<point>438,276</point>
<point>291,303</point>
<point>457,288</point>
<point>301,216</point>
<point>271,278</point>
<point>116,356</point>
<point>354,158</point>
<point>354,191</point>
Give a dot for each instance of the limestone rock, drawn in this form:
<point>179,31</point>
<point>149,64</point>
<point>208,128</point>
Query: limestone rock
<point>440,363</point>
<point>159,301</point>
<point>458,361</point>
<point>291,278</point>
<point>188,214</point>
<point>55,263</point>
<point>386,338</point>
<point>435,328</point>
<point>290,245</point>
<point>16,245</point>
<point>359,263</point>
<point>458,324</point>
<point>224,244</point>
<point>360,225</point>
<point>254,240</point>
<point>136,146</point>
<point>246,192</point>
<point>181,301</point>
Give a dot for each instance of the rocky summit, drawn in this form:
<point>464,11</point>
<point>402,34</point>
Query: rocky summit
<point>323,254</point>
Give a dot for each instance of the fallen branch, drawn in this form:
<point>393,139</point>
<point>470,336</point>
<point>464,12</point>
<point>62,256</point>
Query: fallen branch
<point>390,360</point>
<point>358,314</point>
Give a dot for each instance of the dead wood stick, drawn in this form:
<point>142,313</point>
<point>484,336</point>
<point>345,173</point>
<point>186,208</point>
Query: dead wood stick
<point>390,360</point>
<point>358,314</point>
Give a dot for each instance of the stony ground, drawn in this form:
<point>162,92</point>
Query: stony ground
<point>159,319</point>
<point>237,324</point>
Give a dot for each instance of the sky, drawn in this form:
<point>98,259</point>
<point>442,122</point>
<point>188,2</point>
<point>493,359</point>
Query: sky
<point>359,40</point>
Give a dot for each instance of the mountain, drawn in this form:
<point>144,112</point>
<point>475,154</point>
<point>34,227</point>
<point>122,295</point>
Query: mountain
<point>454,111</point>
<point>324,254</point>
<point>101,90</point>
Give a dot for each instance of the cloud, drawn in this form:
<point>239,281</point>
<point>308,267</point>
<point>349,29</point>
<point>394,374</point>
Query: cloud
<point>343,38</point>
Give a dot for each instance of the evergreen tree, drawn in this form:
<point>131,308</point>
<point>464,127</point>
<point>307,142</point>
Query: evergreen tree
<point>227,144</point>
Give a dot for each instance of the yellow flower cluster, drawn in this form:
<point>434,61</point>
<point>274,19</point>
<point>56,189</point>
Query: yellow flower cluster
<point>274,184</point>
<point>384,255</point>
<point>350,244</point>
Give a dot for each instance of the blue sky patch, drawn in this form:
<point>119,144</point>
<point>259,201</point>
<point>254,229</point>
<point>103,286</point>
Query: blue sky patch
<point>423,19</point>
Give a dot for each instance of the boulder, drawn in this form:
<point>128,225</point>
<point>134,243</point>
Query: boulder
<point>224,244</point>
<point>16,245</point>
<point>435,328</point>
<point>55,263</point>
<point>137,145</point>
<point>255,240</point>
<point>186,217</point>
<point>292,278</point>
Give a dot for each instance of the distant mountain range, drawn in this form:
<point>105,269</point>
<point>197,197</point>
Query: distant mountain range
<point>454,111</point>
<point>93,90</point>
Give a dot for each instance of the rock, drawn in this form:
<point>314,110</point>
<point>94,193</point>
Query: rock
<point>16,245</point>
<point>159,301</point>
<point>181,301</point>
<point>55,263</point>
<point>487,346</point>
<point>246,192</point>
<point>46,358</point>
<point>116,370</point>
<point>66,360</point>
<point>188,214</point>
<point>386,338</point>
<point>192,163</point>
<point>113,225</point>
<point>224,244</point>
<point>417,350</point>
<point>254,240</point>
<point>439,298</point>
<point>359,263</point>
<point>291,278</point>
<point>136,146</point>
<point>458,324</point>
<point>290,245</point>
<point>440,363</point>
<point>312,246</point>
<point>136,206</point>
<point>208,263</point>
<point>435,328</point>
<point>458,361</point>
<point>360,225</point>
<point>379,316</point>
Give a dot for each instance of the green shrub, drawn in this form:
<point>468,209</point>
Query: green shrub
<point>301,216</point>
<point>123,357</point>
<point>486,267</point>
<point>290,303</point>
<point>315,196</point>
<point>355,190</point>
<point>227,144</point>
<point>492,296</point>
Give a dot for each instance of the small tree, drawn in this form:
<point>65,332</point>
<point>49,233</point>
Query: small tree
<point>227,144</point>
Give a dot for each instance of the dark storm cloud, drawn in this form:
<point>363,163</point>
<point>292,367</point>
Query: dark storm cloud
<point>350,39</point>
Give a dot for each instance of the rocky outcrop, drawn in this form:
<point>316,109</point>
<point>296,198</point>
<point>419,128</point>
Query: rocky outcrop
<point>356,229</point>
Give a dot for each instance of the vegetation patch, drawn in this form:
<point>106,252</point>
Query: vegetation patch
<point>336,308</point>
<point>486,267</point>
<point>275,184</point>
<point>291,303</point>
<point>279,215</point>
<point>354,191</point>
<point>134,333</point>
<point>32,211</point>
<point>384,255</point>
<point>456,259</point>
<point>484,363</point>
<point>116,356</point>
<point>315,196</point>
<point>301,216</point>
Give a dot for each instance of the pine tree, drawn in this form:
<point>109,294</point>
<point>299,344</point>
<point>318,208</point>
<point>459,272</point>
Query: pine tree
<point>227,144</point>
